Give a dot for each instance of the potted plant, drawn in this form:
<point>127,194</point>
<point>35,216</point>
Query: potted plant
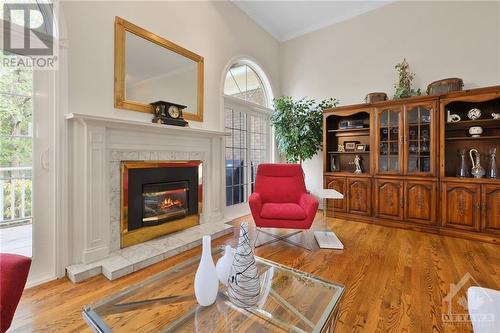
<point>299,126</point>
<point>403,87</point>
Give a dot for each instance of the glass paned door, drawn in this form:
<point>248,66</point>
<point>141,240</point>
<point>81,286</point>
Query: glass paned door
<point>389,137</point>
<point>236,156</point>
<point>419,138</point>
<point>247,145</point>
<point>16,151</point>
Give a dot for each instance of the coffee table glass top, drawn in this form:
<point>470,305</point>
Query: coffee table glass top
<point>290,301</point>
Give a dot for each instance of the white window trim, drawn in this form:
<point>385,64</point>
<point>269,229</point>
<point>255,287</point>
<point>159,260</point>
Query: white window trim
<point>235,211</point>
<point>49,97</point>
<point>250,109</point>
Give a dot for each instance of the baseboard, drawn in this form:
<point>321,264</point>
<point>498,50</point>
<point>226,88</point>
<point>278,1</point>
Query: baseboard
<point>433,229</point>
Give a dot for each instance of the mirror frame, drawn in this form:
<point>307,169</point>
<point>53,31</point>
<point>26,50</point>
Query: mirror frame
<point>121,27</point>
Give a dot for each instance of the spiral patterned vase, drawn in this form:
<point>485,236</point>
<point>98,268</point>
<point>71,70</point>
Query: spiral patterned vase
<point>243,286</point>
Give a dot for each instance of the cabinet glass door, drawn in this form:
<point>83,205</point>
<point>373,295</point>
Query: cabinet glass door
<point>389,132</point>
<point>419,123</point>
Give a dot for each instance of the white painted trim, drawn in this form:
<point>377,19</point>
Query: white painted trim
<point>99,144</point>
<point>252,106</point>
<point>135,125</point>
<point>261,72</point>
<point>243,209</point>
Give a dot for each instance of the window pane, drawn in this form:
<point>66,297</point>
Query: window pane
<point>243,82</point>
<point>229,196</point>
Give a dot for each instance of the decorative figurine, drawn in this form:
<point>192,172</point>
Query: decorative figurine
<point>476,131</point>
<point>462,170</point>
<point>340,148</point>
<point>452,118</point>
<point>333,164</point>
<point>357,164</point>
<point>495,116</point>
<point>492,170</point>
<point>474,114</point>
<point>477,170</point>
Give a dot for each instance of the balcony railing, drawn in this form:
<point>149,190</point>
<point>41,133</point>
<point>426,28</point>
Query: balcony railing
<point>15,196</point>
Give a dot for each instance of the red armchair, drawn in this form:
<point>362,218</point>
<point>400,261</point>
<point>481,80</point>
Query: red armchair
<point>14,271</point>
<point>280,199</point>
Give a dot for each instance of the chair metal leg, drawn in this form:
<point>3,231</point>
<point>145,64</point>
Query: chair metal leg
<point>282,238</point>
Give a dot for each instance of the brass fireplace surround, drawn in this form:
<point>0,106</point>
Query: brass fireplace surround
<point>128,238</point>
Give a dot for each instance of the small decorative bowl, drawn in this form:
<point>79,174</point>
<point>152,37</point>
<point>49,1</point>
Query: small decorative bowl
<point>475,131</point>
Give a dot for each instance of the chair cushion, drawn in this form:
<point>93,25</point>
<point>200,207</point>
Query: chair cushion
<point>280,183</point>
<point>283,211</point>
<point>14,271</point>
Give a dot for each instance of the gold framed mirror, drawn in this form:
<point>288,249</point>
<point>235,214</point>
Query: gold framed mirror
<point>149,68</point>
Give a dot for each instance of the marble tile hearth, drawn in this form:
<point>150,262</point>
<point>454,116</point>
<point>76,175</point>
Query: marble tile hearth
<point>136,257</point>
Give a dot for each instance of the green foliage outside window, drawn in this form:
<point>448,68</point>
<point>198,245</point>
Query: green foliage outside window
<point>16,106</point>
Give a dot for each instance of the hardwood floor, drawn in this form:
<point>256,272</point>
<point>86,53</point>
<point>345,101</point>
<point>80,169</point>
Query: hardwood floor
<point>396,280</point>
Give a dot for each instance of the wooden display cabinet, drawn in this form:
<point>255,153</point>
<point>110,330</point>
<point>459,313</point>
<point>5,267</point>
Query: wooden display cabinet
<point>409,170</point>
<point>406,138</point>
<point>455,135</point>
<point>351,125</point>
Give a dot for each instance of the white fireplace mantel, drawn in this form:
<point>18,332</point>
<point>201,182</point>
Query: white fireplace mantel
<point>143,126</point>
<point>98,145</point>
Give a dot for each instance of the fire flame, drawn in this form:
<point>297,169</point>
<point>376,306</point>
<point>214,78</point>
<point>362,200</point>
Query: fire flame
<point>169,203</point>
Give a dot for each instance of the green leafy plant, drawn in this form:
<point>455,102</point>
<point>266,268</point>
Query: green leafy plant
<point>403,87</point>
<point>299,126</point>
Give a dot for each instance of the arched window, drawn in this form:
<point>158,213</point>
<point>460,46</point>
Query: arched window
<point>243,82</point>
<point>247,100</point>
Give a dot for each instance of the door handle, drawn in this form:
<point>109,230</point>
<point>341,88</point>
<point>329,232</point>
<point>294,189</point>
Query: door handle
<point>44,159</point>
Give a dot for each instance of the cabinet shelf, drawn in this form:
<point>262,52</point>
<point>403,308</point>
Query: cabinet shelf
<point>465,124</point>
<point>348,152</point>
<point>419,124</point>
<point>343,130</point>
<point>486,137</point>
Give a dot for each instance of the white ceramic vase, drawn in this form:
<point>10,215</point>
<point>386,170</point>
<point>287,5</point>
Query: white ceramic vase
<point>224,264</point>
<point>206,283</point>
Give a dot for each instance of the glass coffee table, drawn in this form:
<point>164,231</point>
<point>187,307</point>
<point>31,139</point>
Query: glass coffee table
<point>290,301</point>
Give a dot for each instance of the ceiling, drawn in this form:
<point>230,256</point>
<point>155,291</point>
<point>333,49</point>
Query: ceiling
<point>289,19</point>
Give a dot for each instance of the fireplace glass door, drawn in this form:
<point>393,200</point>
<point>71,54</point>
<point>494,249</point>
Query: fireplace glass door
<point>164,201</point>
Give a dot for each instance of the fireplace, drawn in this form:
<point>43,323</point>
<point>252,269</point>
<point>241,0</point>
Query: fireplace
<point>164,201</point>
<point>158,198</point>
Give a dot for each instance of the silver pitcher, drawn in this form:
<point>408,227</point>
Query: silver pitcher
<point>477,170</point>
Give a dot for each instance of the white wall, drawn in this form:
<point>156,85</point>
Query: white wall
<point>218,31</point>
<point>349,59</point>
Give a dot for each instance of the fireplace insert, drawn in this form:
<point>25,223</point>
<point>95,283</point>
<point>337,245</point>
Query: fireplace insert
<point>164,201</point>
<point>159,193</point>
